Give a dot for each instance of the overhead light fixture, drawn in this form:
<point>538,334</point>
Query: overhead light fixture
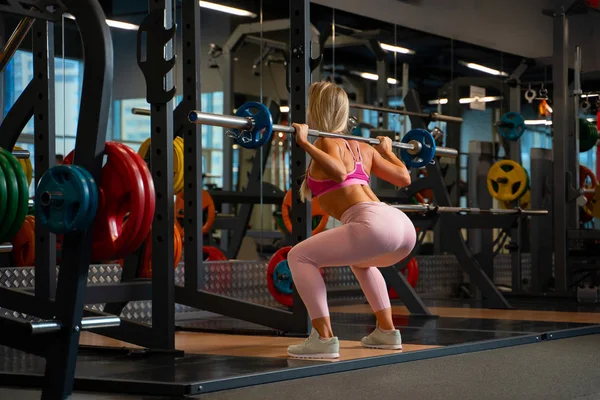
<point>226,9</point>
<point>395,49</point>
<point>373,77</point>
<point>284,109</point>
<point>114,24</point>
<point>369,76</point>
<point>583,96</point>
<point>468,100</point>
<point>538,122</point>
<point>483,68</point>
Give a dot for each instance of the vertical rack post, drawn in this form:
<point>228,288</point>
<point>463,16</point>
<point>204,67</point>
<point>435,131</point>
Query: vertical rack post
<point>44,144</point>
<point>193,146</point>
<point>163,277</point>
<point>300,49</point>
<point>562,135</point>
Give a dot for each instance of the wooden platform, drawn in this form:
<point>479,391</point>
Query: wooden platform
<point>483,313</point>
<point>247,346</point>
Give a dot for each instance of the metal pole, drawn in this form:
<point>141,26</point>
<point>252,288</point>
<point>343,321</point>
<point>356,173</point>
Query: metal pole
<point>300,56</point>
<point>15,41</point>
<point>424,208</point>
<point>243,123</point>
<point>21,154</point>
<point>431,116</point>
<point>562,130</point>
<point>88,323</point>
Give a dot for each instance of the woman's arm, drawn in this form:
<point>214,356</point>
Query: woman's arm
<point>324,152</point>
<point>387,166</point>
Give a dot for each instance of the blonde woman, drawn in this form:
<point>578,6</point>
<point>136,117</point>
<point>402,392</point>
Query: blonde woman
<point>372,233</point>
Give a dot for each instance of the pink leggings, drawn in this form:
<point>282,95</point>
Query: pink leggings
<point>373,235</point>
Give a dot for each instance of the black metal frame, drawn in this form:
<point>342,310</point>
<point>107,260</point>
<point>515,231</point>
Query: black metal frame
<point>296,320</point>
<point>60,349</point>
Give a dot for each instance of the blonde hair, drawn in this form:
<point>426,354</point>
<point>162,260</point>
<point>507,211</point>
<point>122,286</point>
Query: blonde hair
<point>328,111</point>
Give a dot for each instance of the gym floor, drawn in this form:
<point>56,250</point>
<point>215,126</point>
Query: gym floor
<point>213,356</point>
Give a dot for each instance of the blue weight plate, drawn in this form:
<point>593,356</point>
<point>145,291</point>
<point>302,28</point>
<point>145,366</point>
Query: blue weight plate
<point>282,278</point>
<point>70,214</point>
<point>263,125</point>
<point>427,148</point>
<point>512,125</point>
<point>93,207</point>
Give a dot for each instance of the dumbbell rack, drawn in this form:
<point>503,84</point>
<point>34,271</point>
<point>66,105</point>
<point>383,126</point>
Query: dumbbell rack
<point>59,298</point>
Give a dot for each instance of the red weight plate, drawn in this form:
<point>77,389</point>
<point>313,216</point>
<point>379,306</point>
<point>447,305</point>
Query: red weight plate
<point>211,253</point>
<point>280,255</point>
<point>121,194</point>
<point>146,262</point>
<point>149,201</point>
<point>411,272</point>
<point>220,272</point>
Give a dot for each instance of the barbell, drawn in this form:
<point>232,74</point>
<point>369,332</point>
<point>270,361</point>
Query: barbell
<point>430,208</point>
<point>253,126</point>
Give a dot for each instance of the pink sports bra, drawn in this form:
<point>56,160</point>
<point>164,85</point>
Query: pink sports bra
<point>319,187</point>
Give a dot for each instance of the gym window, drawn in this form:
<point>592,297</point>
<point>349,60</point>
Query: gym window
<point>68,82</point>
<point>132,130</point>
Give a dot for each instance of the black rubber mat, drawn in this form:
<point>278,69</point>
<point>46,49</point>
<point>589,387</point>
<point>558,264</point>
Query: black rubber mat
<point>556,369</point>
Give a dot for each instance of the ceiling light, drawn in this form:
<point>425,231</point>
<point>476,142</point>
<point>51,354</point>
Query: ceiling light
<point>369,76</point>
<point>395,49</point>
<point>483,68</point>
<point>373,77</point>
<point>467,100</point>
<point>537,122</point>
<point>284,109</point>
<point>280,134</point>
<point>114,24</point>
<point>583,96</point>
<point>226,9</point>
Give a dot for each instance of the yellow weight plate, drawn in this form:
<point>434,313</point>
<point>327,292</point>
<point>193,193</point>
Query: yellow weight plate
<point>178,167</point>
<point>524,202</point>
<point>143,150</point>
<point>507,180</point>
<point>593,205</point>
<point>27,167</point>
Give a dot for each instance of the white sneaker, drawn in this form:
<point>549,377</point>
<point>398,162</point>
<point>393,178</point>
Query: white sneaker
<point>379,339</point>
<point>315,347</point>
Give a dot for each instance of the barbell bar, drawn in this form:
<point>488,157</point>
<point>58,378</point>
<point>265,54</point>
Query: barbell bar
<point>425,208</point>
<point>88,323</point>
<point>15,40</point>
<point>418,145</point>
<point>21,154</point>
<point>430,116</point>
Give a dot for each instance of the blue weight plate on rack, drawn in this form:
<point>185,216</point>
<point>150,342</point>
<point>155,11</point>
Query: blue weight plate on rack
<point>64,199</point>
<point>511,126</point>
<point>282,278</point>
<point>94,195</point>
<point>263,125</point>
<point>427,148</point>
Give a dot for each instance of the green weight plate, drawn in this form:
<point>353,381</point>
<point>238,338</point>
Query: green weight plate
<point>12,198</point>
<point>23,194</point>
<point>588,135</point>
<point>3,197</point>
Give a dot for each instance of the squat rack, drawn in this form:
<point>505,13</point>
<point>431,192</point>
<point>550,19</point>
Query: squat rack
<point>58,300</point>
